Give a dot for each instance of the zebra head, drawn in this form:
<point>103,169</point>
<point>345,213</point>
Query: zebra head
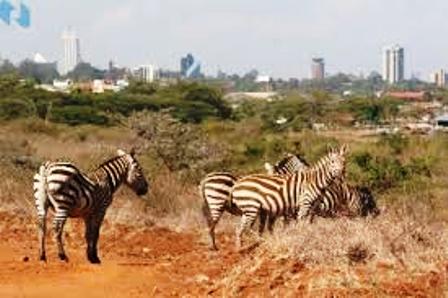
<point>367,203</point>
<point>135,177</point>
<point>335,161</point>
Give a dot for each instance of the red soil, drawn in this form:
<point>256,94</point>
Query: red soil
<point>158,262</point>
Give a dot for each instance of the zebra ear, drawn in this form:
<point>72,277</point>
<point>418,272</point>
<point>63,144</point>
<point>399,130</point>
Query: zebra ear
<point>121,152</point>
<point>132,153</point>
<point>343,150</point>
<point>269,168</point>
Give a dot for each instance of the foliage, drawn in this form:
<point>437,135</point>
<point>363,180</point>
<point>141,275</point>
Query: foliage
<point>40,72</point>
<point>189,102</point>
<point>182,148</point>
<point>85,72</point>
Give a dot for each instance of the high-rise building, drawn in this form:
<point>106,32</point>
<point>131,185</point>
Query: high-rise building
<point>318,69</point>
<point>190,67</point>
<point>146,73</point>
<point>439,78</point>
<point>72,51</point>
<point>393,64</point>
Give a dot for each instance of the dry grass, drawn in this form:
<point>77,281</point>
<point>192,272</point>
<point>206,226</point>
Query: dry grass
<point>343,253</point>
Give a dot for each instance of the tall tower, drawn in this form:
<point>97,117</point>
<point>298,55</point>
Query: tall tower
<point>393,64</point>
<point>190,67</point>
<point>318,69</point>
<point>72,51</point>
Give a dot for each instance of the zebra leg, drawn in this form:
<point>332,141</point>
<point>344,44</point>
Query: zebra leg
<point>246,221</point>
<point>271,223</point>
<point>92,235</point>
<point>304,211</point>
<point>42,228</point>
<point>263,217</point>
<point>58,227</point>
<point>215,212</point>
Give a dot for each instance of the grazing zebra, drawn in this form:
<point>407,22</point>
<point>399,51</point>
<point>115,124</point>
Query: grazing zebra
<point>70,193</point>
<point>271,196</point>
<point>215,191</point>
<point>340,198</point>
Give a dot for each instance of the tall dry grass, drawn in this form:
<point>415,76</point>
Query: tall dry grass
<point>335,251</point>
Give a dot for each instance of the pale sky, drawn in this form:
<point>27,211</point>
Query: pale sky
<point>278,37</point>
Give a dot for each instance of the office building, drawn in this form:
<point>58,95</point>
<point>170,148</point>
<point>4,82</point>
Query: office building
<point>393,64</point>
<point>146,73</point>
<point>318,69</point>
<point>439,78</point>
<point>72,51</point>
<point>190,67</point>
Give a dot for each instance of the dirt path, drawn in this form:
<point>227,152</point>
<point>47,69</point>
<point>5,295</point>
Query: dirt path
<point>144,263</point>
<point>157,262</point>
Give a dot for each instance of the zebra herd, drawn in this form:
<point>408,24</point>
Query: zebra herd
<point>291,188</point>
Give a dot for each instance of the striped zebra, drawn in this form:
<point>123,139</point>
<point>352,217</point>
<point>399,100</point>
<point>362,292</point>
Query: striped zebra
<point>70,193</point>
<point>340,198</point>
<point>344,199</point>
<point>215,191</point>
<point>270,196</point>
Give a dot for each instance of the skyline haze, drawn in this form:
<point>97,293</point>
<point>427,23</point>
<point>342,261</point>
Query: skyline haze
<point>279,39</point>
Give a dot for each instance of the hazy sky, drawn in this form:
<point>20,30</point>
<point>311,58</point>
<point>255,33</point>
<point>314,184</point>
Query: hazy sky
<point>278,37</point>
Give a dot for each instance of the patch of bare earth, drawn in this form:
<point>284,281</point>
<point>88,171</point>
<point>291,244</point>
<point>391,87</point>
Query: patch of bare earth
<point>156,261</point>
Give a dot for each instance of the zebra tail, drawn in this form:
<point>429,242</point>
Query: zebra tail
<point>40,185</point>
<point>231,207</point>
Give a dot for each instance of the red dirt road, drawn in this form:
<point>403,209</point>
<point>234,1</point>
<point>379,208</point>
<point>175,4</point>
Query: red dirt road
<point>157,262</point>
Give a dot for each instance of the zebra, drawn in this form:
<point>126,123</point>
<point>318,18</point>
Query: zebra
<point>271,196</point>
<point>340,198</point>
<point>70,193</point>
<point>344,199</point>
<point>215,191</point>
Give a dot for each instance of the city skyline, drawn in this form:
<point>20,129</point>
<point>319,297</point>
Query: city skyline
<point>278,40</point>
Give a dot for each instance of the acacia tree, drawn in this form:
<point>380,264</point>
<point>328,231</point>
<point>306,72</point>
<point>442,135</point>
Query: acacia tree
<point>182,147</point>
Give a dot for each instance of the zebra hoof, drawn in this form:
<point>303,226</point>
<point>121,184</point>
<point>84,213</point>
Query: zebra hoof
<point>43,258</point>
<point>94,260</point>
<point>63,257</point>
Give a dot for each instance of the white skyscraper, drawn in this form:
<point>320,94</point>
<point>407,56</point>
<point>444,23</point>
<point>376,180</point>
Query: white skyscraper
<point>72,51</point>
<point>393,64</point>
<point>147,73</point>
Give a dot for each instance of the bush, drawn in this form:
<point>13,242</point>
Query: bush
<point>75,115</point>
<point>12,108</point>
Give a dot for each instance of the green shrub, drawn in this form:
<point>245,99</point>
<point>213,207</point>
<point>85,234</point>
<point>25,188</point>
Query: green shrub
<point>13,108</point>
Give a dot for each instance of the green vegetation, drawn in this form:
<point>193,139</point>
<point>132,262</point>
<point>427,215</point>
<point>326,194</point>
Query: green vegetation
<point>189,102</point>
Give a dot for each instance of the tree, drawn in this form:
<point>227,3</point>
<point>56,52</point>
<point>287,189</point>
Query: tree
<point>182,148</point>
<point>85,72</point>
<point>7,68</point>
<point>40,72</point>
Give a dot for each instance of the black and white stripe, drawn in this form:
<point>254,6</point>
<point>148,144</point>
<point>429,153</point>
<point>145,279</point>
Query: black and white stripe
<point>70,193</point>
<point>271,196</point>
<point>340,198</point>
<point>215,191</point>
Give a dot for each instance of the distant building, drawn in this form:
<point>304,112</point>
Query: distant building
<point>439,78</point>
<point>190,67</point>
<point>146,73</point>
<point>318,69</point>
<point>41,65</point>
<point>393,64</point>
<point>72,51</point>
<point>410,95</point>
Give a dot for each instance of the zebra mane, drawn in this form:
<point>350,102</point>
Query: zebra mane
<point>112,159</point>
<point>289,157</point>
